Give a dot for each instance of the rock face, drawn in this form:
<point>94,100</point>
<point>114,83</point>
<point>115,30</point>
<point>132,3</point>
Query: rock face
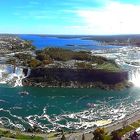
<point>74,77</point>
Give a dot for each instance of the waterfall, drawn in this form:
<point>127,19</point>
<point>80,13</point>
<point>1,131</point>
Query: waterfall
<point>10,76</point>
<point>130,62</point>
<point>134,76</point>
<point>28,72</point>
<point>128,58</point>
<point>133,71</point>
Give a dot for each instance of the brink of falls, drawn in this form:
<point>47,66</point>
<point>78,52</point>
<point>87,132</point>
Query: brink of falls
<point>128,58</point>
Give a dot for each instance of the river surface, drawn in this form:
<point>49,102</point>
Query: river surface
<point>53,108</point>
<point>74,43</point>
<point>71,109</point>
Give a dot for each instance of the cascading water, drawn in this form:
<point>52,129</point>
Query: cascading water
<point>135,76</point>
<point>28,72</point>
<point>131,62</point>
<point>12,76</point>
<point>128,58</point>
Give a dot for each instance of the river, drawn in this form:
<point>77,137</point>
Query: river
<point>72,109</point>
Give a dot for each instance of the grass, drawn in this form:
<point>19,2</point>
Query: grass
<point>135,124</point>
<point>138,121</point>
<point>107,137</point>
<point>18,136</point>
<point>123,131</point>
<point>108,67</point>
<point>120,132</point>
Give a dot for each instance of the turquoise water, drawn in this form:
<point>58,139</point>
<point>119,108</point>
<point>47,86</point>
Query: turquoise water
<point>53,108</point>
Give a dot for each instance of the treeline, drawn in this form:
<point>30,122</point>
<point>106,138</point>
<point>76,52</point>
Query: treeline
<point>117,39</point>
<point>47,56</point>
<point>60,54</point>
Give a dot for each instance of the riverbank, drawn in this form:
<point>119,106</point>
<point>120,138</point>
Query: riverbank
<point>131,120</point>
<point>66,68</point>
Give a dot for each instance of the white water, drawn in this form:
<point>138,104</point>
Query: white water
<point>11,77</point>
<point>134,76</point>
<point>128,58</point>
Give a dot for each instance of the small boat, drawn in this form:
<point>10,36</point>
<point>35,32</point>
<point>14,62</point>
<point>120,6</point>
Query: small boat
<point>91,105</point>
<point>23,93</point>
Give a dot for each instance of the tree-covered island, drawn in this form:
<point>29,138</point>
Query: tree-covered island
<point>57,67</point>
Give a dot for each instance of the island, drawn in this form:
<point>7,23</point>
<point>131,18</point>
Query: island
<point>58,67</point>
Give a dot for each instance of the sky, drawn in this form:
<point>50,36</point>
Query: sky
<point>76,17</point>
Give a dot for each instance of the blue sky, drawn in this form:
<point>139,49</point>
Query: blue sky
<point>70,16</point>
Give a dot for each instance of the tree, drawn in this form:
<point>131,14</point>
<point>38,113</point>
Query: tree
<point>98,134</point>
<point>115,136</point>
<point>33,63</point>
<point>83,137</point>
<point>63,137</point>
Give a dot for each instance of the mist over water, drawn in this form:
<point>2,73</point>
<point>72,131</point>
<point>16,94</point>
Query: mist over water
<point>128,58</point>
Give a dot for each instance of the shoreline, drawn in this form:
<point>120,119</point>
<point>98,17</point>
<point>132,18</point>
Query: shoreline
<point>100,85</point>
<point>127,120</point>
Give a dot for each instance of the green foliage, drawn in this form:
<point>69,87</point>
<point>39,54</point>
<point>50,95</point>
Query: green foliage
<point>98,59</point>
<point>63,137</point>
<point>83,65</point>
<point>23,56</point>
<point>83,137</point>
<point>49,55</point>
<point>81,56</point>
<point>33,63</point>
<point>60,54</point>
<point>33,47</point>
<point>107,137</point>
<point>11,61</point>
<point>108,67</point>
<point>123,131</point>
<point>19,136</point>
<point>99,134</point>
<point>115,135</point>
<point>136,125</point>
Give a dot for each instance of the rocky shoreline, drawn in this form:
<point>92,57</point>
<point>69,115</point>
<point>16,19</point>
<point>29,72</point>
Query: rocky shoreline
<point>57,67</point>
<point>75,78</point>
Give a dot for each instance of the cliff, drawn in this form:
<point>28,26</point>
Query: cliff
<point>60,77</point>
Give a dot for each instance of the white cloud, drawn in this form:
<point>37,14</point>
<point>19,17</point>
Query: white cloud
<point>114,18</point>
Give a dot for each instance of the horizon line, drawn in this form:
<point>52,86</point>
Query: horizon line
<point>68,34</point>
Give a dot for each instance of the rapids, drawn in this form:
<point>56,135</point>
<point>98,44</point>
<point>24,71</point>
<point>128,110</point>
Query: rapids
<point>52,109</point>
<point>128,58</point>
<point>12,76</point>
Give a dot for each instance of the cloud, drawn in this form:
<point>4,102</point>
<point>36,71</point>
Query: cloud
<point>114,18</point>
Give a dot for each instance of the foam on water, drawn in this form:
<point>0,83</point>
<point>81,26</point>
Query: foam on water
<point>128,58</point>
<point>102,114</point>
<point>12,76</point>
<point>77,112</point>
